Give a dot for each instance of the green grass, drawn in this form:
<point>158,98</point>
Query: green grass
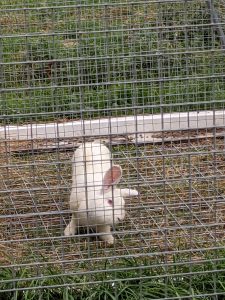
<point>172,281</point>
<point>118,71</point>
<point>121,98</point>
<point>99,70</point>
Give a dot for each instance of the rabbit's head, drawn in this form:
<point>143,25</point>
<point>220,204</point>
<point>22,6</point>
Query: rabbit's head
<point>109,201</point>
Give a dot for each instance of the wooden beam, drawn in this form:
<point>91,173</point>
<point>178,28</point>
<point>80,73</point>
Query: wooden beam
<point>116,126</point>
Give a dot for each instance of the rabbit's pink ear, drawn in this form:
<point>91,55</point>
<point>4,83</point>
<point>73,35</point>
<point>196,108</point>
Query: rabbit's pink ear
<point>112,176</point>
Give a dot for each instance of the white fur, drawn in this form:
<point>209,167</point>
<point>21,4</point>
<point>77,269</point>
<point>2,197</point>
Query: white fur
<point>93,187</point>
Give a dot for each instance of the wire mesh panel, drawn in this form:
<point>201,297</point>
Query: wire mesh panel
<point>146,79</point>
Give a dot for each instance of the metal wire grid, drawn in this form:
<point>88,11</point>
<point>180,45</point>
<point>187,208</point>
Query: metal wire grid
<point>100,59</point>
<point>160,224</point>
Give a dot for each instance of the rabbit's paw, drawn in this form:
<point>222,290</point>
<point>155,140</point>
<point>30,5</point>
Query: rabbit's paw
<point>69,230</point>
<point>109,239</point>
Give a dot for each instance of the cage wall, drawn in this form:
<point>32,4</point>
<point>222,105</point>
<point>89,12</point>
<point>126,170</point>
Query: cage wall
<point>147,79</point>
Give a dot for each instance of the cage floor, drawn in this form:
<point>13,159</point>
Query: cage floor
<point>180,209</point>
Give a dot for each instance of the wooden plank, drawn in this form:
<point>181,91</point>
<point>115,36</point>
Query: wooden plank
<point>116,126</point>
<point>66,145</point>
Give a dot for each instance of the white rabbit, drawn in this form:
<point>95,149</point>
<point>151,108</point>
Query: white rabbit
<point>94,200</point>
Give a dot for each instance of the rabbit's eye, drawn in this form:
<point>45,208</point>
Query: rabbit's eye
<point>110,202</point>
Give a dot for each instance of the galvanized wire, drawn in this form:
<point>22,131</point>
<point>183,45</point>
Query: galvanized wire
<point>63,61</point>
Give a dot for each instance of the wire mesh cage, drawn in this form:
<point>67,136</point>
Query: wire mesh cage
<point>146,79</point>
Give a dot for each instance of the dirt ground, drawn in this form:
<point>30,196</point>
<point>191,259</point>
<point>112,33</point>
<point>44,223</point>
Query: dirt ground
<point>180,208</point>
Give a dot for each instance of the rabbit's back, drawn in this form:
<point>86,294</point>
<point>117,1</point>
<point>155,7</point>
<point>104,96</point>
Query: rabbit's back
<point>89,164</point>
